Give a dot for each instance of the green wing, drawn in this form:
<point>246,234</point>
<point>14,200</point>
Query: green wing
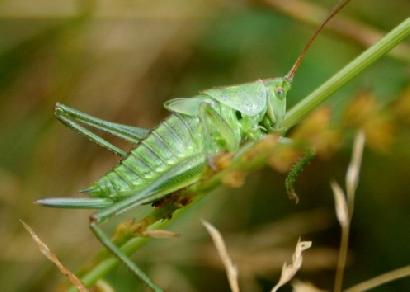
<point>250,98</point>
<point>188,106</point>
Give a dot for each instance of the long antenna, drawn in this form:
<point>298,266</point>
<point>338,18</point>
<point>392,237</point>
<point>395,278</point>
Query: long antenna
<point>298,61</point>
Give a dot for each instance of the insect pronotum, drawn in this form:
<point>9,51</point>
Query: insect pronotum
<point>175,154</point>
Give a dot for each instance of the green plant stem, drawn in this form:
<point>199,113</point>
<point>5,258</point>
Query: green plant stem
<point>313,100</point>
<point>255,156</point>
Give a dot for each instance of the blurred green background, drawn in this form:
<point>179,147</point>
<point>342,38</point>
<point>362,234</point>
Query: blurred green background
<point>120,60</point>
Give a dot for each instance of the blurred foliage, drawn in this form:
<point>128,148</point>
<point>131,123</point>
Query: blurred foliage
<point>121,60</point>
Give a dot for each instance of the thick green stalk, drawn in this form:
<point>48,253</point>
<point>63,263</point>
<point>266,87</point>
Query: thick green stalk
<point>312,101</point>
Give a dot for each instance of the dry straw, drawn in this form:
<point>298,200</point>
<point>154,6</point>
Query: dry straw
<point>340,204</point>
<point>103,286</point>
<point>53,258</point>
<point>344,205</point>
<point>299,286</point>
<point>352,174</point>
<point>230,268</point>
<point>159,233</point>
<point>290,270</point>
<point>381,279</point>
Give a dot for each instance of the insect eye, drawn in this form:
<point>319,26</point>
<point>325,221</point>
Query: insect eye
<point>279,91</point>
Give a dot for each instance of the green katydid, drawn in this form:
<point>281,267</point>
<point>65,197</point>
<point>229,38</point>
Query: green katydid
<point>176,153</point>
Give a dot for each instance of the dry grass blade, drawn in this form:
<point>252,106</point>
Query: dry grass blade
<point>231,270</point>
<point>290,270</point>
<point>381,279</point>
<point>340,204</point>
<point>159,233</point>
<point>47,252</point>
<point>299,286</point>
<point>352,174</point>
<point>344,207</point>
<point>103,286</point>
<point>342,214</point>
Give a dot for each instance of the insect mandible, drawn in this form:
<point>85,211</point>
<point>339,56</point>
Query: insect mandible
<point>176,153</point>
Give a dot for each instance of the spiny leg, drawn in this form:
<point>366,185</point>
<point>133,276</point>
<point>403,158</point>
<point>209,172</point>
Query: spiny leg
<point>105,214</point>
<point>72,119</point>
<point>131,134</point>
<point>106,241</point>
<point>92,137</point>
<point>294,173</point>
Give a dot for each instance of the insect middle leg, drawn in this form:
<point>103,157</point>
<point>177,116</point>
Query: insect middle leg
<point>105,214</point>
<point>107,242</point>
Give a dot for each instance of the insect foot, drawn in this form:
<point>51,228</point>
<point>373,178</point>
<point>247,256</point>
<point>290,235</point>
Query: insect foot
<point>92,219</point>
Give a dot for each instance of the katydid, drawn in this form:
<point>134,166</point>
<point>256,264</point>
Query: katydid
<point>175,154</point>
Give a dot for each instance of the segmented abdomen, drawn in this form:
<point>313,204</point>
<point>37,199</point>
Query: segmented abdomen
<point>176,138</point>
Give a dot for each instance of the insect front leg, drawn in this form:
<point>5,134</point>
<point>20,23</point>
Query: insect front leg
<point>214,123</point>
<point>250,128</point>
<point>74,118</point>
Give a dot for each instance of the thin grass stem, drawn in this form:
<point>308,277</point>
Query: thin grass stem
<point>341,262</point>
<point>380,280</point>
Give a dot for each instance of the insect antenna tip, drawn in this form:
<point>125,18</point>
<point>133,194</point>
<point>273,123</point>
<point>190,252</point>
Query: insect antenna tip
<point>341,4</point>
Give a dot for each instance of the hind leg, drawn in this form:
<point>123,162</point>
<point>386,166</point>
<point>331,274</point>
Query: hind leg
<point>131,134</point>
<point>73,119</point>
